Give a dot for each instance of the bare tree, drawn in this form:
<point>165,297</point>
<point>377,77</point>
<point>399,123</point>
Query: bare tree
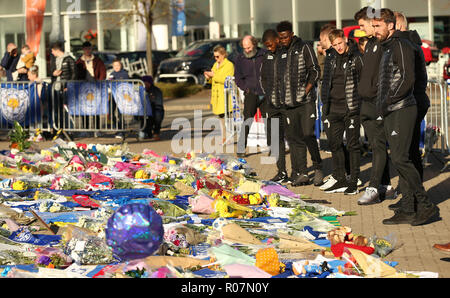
<point>147,12</point>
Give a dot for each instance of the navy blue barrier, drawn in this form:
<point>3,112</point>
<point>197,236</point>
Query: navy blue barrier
<point>26,103</point>
<point>99,106</point>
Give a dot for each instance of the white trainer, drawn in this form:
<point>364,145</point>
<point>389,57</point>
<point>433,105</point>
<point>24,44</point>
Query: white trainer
<point>328,183</point>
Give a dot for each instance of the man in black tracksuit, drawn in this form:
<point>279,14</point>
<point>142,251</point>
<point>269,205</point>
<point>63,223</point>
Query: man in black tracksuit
<point>420,89</point>
<point>420,94</point>
<point>297,73</point>
<point>380,182</point>
<point>247,73</point>
<point>341,106</point>
<point>397,105</point>
<point>267,79</point>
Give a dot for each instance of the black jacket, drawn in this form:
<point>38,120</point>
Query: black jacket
<point>352,65</point>
<point>296,66</point>
<point>247,72</point>
<point>397,75</point>
<point>421,76</point>
<point>368,82</point>
<point>267,79</point>
<point>9,63</point>
<point>68,69</point>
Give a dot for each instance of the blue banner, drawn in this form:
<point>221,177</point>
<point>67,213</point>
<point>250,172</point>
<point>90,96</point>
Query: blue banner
<point>87,98</point>
<point>20,102</point>
<point>178,18</point>
<point>129,100</point>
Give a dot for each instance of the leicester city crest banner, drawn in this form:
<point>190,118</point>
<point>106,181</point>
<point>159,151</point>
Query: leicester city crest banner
<point>19,102</point>
<point>129,100</point>
<point>87,98</point>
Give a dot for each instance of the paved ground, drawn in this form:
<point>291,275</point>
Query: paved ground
<point>414,250</point>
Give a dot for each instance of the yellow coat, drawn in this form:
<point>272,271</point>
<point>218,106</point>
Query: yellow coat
<point>217,85</point>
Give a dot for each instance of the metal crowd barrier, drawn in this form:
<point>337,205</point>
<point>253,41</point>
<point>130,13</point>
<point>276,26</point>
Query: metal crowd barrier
<point>234,109</point>
<point>25,102</point>
<point>436,130</point>
<point>110,107</point>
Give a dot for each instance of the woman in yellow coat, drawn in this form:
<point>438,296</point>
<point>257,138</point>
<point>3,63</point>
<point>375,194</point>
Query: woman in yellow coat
<point>217,75</point>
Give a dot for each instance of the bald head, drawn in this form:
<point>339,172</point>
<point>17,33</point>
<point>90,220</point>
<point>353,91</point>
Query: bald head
<point>249,44</point>
<point>401,23</point>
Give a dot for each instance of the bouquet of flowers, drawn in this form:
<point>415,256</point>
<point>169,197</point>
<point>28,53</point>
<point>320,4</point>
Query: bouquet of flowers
<point>383,246</point>
<point>51,206</point>
<point>19,138</point>
<point>50,257</point>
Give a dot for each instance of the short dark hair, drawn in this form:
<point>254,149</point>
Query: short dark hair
<point>269,34</point>
<point>362,14</point>
<point>86,44</point>
<point>57,45</point>
<point>284,26</point>
<point>387,16</point>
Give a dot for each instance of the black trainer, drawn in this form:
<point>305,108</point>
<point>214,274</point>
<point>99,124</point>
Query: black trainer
<point>424,215</point>
<point>395,206</point>
<point>301,179</point>
<point>281,177</point>
<point>339,186</point>
<point>352,189</point>
<point>400,218</point>
<point>318,177</point>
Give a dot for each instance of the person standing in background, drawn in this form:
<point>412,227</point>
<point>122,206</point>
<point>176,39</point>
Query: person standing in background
<point>247,74</point>
<point>90,67</point>
<point>420,94</point>
<point>297,75</point>
<point>272,108</point>
<point>10,60</point>
<point>397,105</point>
<point>221,69</point>
<point>380,187</point>
<point>341,107</point>
<point>25,62</point>
<point>118,72</point>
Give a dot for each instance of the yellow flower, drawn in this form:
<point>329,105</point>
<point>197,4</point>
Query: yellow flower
<point>36,195</point>
<point>141,174</point>
<point>19,185</point>
<point>255,199</point>
<point>273,201</point>
<point>46,153</point>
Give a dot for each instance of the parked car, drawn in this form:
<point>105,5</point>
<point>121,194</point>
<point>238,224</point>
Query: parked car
<point>190,63</point>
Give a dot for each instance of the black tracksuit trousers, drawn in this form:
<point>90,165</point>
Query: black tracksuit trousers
<point>299,125</point>
<point>377,140</point>
<point>340,122</point>
<point>399,130</point>
<point>414,150</point>
<point>274,123</point>
<point>251,104</point>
